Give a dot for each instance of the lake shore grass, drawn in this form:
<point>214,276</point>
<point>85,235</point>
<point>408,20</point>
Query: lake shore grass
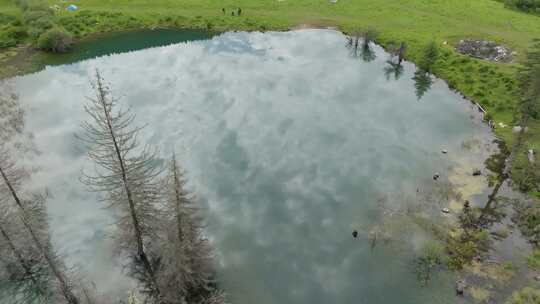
<point>416,22</point>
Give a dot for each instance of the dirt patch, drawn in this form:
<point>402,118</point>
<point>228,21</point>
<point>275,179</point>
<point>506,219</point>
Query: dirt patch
<point>487,50</point>
<point>15,61</point>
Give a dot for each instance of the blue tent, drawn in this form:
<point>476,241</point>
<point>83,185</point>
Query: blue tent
<point>72,8</point>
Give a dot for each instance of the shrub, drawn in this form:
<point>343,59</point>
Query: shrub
<point>56,40</point>
<point>533,261</point>
<point>527,295</point>
<point>31,16</point>
<point>429,56</point>
<point>11,35</point>
<point>527,218</point>
<point>530,6</point>
<point>461,253</point>
<point>432,256</point>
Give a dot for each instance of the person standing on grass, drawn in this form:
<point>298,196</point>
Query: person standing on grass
<point>239,12</point>
<point>223,10</point>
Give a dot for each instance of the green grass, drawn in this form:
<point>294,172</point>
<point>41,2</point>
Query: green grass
<point>533,261</point>
<point>8,7</point>
<point>413,20</point>
<point>416,22</point>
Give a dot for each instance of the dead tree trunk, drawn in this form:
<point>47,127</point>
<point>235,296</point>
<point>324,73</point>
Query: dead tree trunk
<point>130,183</point>
<point>65,289</point>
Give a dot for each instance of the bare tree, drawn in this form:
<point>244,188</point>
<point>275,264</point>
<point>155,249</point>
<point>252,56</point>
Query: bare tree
<point>23,278</point>
<point>398,51</point>
<point>186,272</point>
<point>127,174</point>
<point>31,213</point>
<point>216,297</point>
<point>11,113</point>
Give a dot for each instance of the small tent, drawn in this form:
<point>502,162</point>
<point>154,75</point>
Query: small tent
<point>72,8</point>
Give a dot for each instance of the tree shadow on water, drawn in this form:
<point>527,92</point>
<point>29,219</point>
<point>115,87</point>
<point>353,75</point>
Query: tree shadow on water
<point>422,83</point>
<point>360,45</point>
<point>393,70</point>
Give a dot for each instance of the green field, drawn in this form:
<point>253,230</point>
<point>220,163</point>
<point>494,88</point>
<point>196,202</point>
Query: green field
<point>417,22</point>
<point>6,6</point>
<point>414,20</point>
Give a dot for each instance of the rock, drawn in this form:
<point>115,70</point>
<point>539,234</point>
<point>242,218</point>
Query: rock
<point>444,151</point>
<point>445,210</point>
<point>537,278</point>
<point>477,172</point>
<point>436,176</point>
<point>460,287</point>
<point>530,155</point>
<point>488,50</point>
<point>517,129</point>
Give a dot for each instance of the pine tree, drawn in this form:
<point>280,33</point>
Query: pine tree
<point>30,213</point>
<point>186,269</point>
<point>128,176</point>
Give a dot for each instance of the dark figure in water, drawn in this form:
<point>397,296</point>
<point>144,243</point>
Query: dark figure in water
<point>232,13</point>
<point>223,10</point>
<point>239,12</point>
<point>355,234</point>
<point>436,176</point>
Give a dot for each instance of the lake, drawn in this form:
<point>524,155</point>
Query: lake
<point>290,144</point>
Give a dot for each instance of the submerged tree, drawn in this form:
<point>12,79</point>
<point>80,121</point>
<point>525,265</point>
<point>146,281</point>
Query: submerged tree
<point>46,270</point>
<point>11,114</point>
<point>32,271</point>
<point>128,176</point>
<point>429,261</point>
<point>22,277</point>
<point>186,273</point>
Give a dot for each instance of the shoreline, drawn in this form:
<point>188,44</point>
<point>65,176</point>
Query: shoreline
<point>24,62</point>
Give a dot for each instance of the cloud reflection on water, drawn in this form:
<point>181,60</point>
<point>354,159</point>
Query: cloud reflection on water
<point>288,142</point>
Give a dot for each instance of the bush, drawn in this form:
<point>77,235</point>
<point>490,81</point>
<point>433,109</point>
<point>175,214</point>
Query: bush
<point>527,218</point>
<point>527,295</point>
<point>432,256</point>
<point>533,261</point>
<point>530,6</point>
<point>32,16</point>
<point>461,253</point>
<point>429,56</point>
<point>11,35</point>
<point>56,40</point>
